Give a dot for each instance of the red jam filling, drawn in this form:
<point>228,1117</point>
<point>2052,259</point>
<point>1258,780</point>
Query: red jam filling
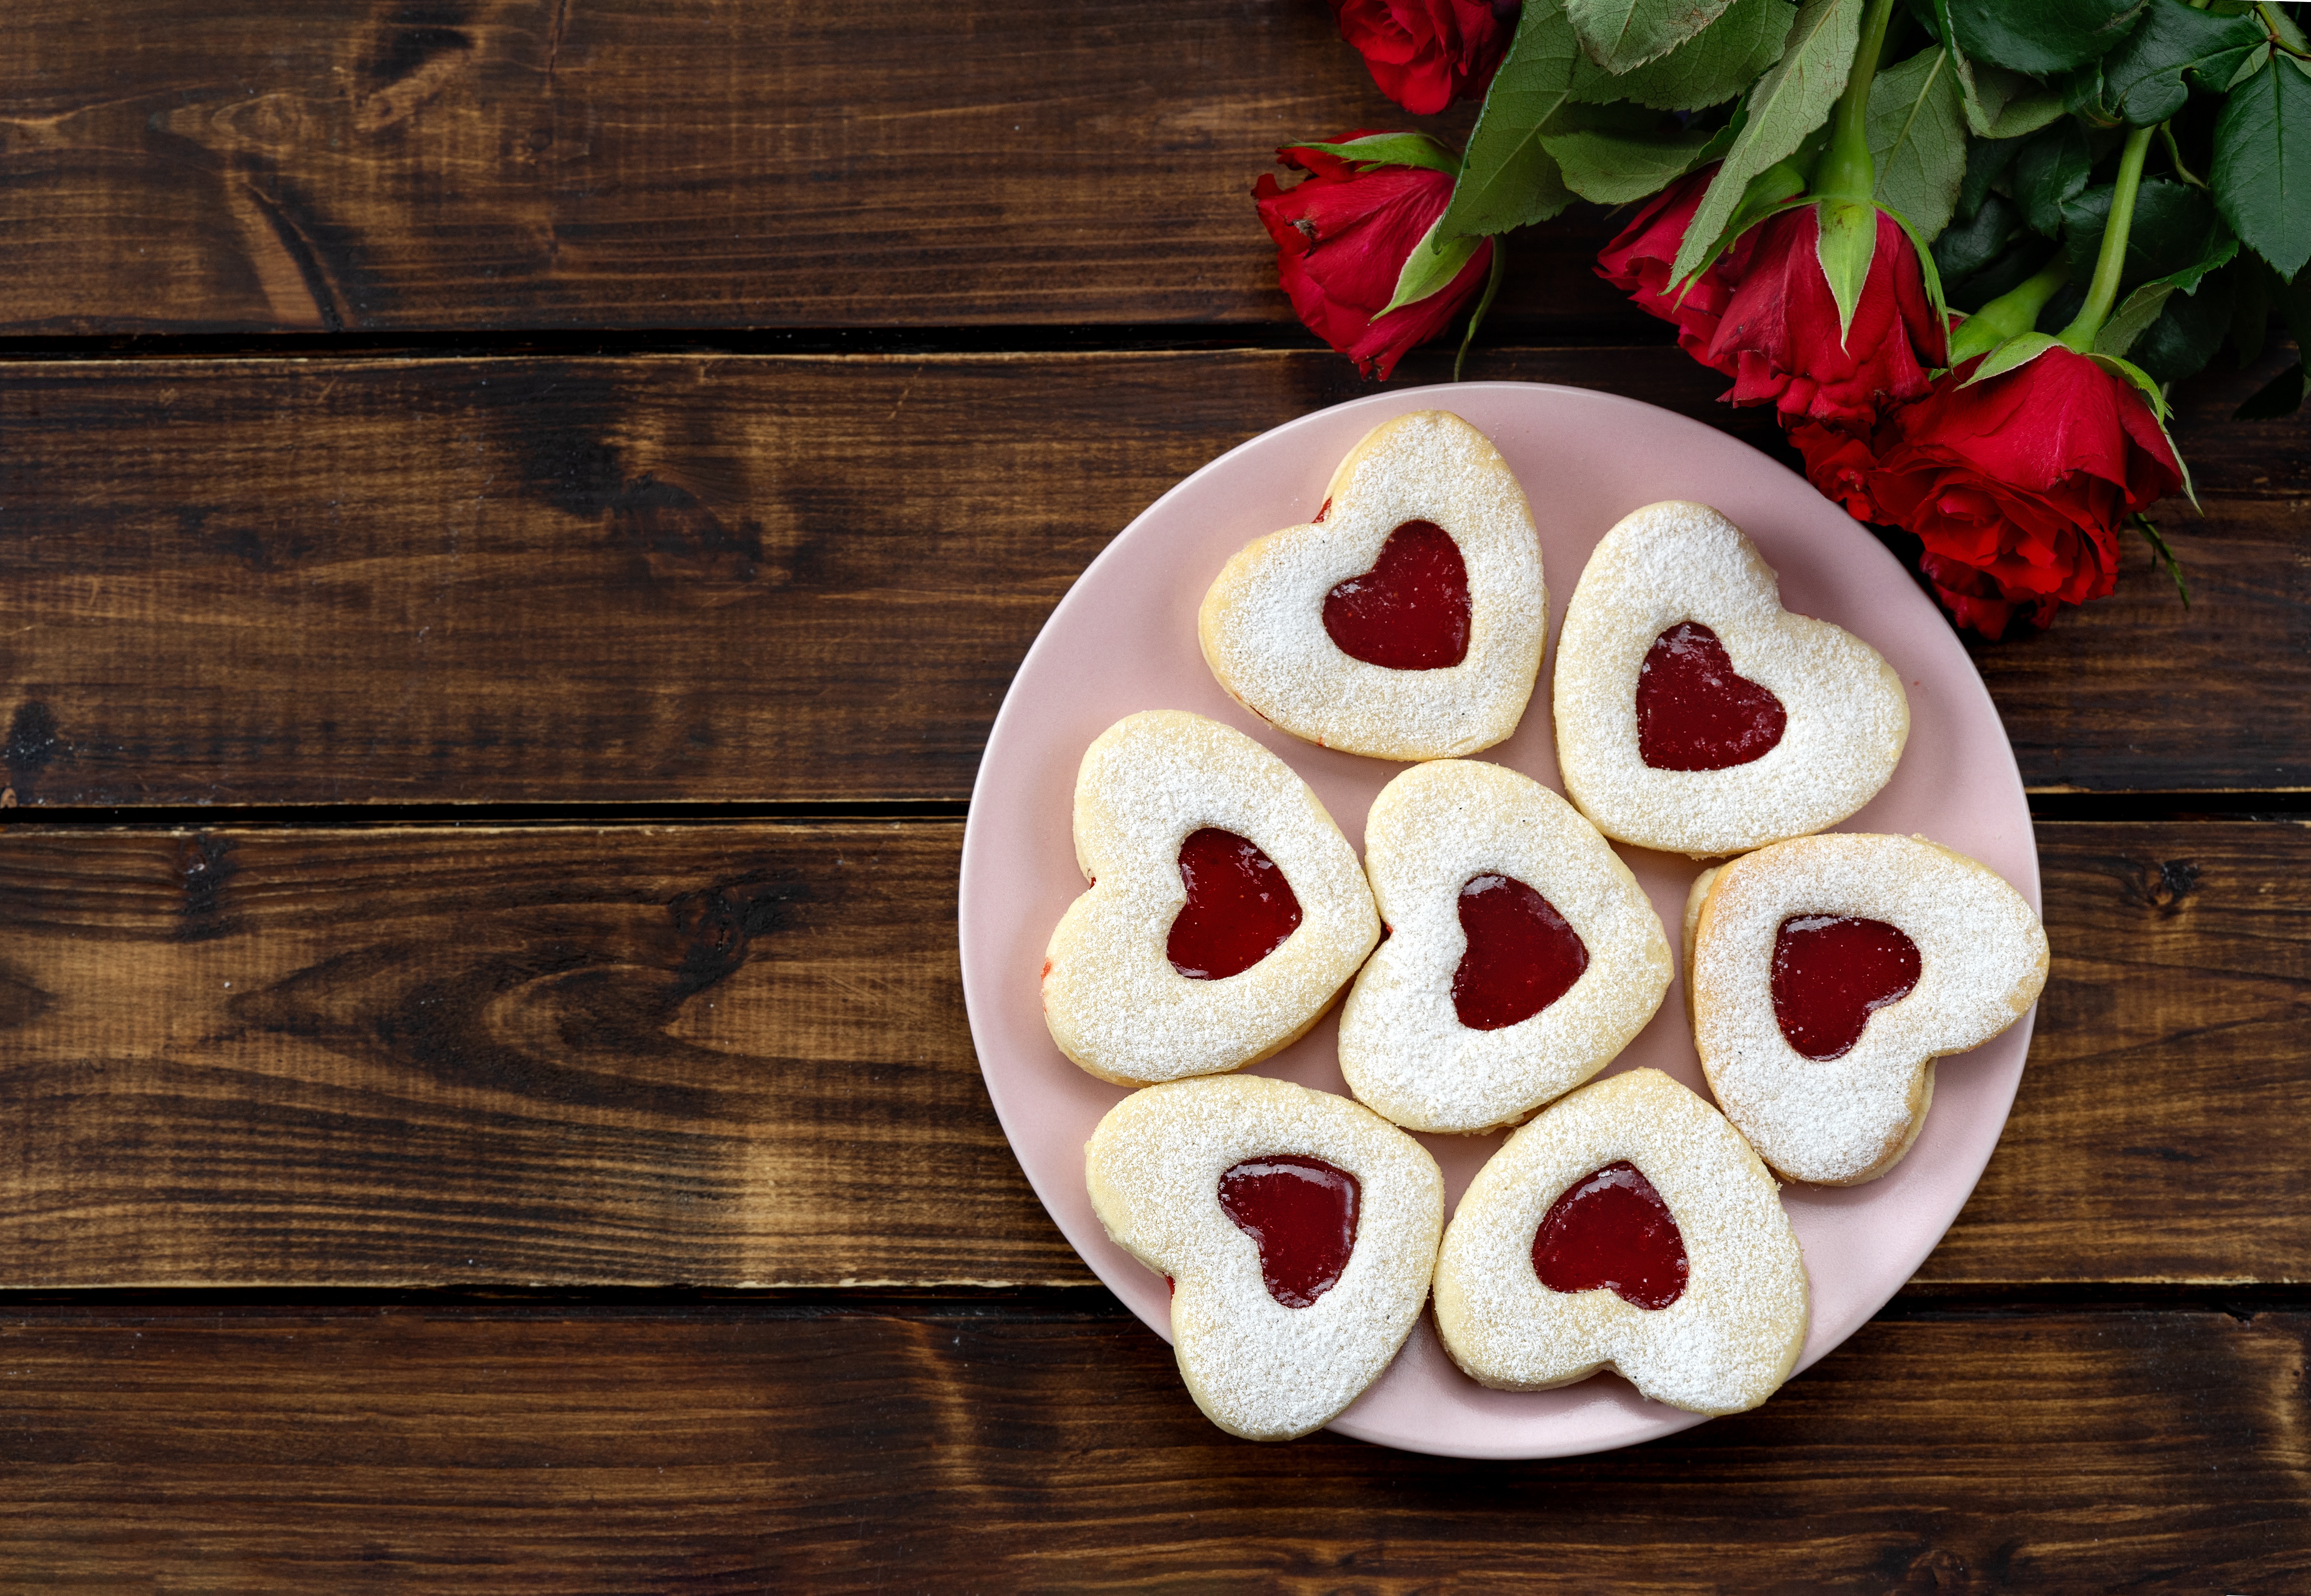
<point>1410,611</point>
<point>1240,908</point>
<point>1831,973</point>
<point>1521,955</point>
<point>1303,1213</point>
<point>1611,1229</point>
<point>1694,713</point>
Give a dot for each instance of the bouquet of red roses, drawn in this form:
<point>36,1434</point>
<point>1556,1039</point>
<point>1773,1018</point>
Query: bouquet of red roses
<point>1961,245</point>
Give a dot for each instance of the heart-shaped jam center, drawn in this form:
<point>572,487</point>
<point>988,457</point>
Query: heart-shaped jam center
<point>1521,955</point>
<point>1240,908</point>
<point>1694,713</point>
<point>1303,1213</point>
<point>1611,1229</point>
<point>1410,611</point>
<point>1831,973</point>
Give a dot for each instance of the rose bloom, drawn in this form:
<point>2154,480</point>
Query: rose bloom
<point>1638,262</point>
<point>1778,337</point>
<point>1342,238</point>
<point>1426,54</point>
<point>2016,486</point>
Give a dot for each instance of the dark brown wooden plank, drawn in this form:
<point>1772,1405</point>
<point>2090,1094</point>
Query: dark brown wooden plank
<point>745,1447</point>
<point>752,578</point>
<point>735,1054</point>
<point>268,164</point>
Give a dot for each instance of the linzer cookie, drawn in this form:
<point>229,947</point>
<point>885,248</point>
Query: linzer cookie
<point>1521,955</point>
<point>1828,973</point>
<point>1698,716</point>
<point>1406,620</point>
<point>1298,1231</point>
<point>1225,911</point>
<point>1628,1225</point>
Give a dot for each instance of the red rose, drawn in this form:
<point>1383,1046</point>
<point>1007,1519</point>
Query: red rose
<point>1426,54</point>
<point>1778,334</point>
<point>1638,262</point>
<point>2016,485</point>
<point>1838,464</point>
<point>1342,237</point>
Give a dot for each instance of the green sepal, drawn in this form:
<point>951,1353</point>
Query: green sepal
<point>2013,355</point>
<point>2161,554</point>
<point>1484,303</point>
<point>1846,236</point>
<point>1431,267</point>
<point>1393,149</point>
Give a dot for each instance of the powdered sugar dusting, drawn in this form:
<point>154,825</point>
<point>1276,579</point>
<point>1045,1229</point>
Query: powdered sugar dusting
<point>1112,999</point>
<point>1262,623</point>
<point>1258,1369</point>
<point>1848,717</point>
<point>1843,1120</point>
<point>1723,1346</point>
<point>1403,1048</point>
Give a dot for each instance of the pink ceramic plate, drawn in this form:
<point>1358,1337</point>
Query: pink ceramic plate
<point>1124,639</point>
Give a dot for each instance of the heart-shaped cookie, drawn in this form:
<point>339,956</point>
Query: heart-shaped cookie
<point>1628,1225</point>
<point>1406,620</point>
<point>1828,973</point>
<point>1225,911</point>
<point>1521,955</point>
<point>1694,713</point>
<point>1298,1228</point>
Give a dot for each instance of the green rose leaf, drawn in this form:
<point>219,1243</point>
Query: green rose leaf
<point>1507,179</point>
<point>1792,98</point>
<point>2142,79</point>
<point>1708,69</point>
<point>1621,34</point>
<point>1394,149</point>
<point>1986,160</point>
<point>1965,247</point>
<point>2262,175</point>
<point>2188,329</point>
<point>2042,36</point>
<point>2275,398</point>
<point>2050,173</point>
<point>2174,230</point>
<point>2004,104</point>
<point>1917,139</point>
<point>1431,266</point>
<point>1615,168</point>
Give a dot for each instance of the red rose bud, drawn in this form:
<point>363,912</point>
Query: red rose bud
<point>2016,486</point>
<point>1638,262</point>
<point>1778,335</point>
<point>1342,237</point>
<point>1426,54</point>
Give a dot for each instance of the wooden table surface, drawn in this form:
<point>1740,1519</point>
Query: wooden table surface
<point>515,518</point>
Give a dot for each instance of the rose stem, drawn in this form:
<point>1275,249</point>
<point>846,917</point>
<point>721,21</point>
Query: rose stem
<point>2102,291</point>
<point>2010,315</point>
<point>1847,170</point>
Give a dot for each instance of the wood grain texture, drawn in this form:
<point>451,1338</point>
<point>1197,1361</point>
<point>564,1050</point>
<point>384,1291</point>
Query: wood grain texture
<point>272,165</point>
<point>986,1448</point>
<point>805,578</point>
<point>737,1054</point>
